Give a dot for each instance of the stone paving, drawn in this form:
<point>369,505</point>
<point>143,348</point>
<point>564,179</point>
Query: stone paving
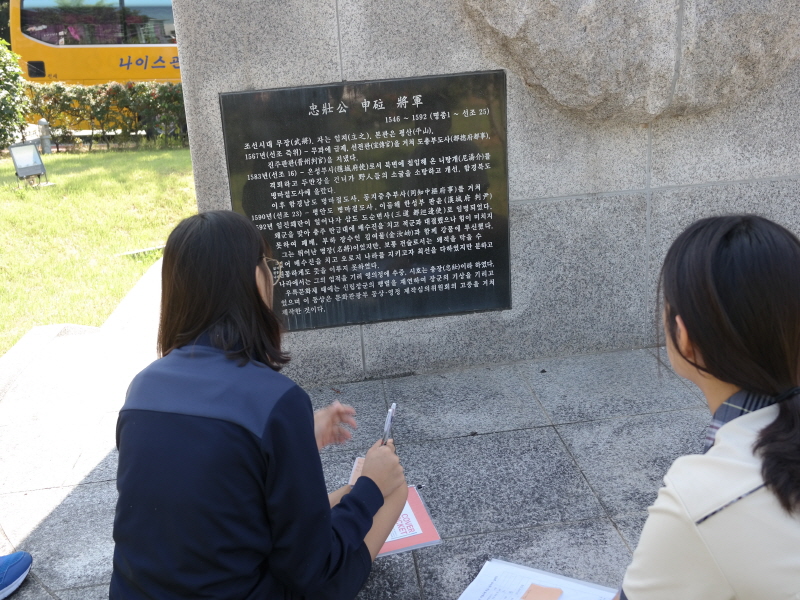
<point>549,463</point>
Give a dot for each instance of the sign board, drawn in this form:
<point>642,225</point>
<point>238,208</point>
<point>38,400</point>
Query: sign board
<point>384,199</point>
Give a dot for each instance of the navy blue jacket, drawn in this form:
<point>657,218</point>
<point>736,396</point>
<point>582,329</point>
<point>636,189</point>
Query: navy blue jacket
<point>221,491</point>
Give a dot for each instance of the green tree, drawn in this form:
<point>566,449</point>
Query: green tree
<point>14,102</point>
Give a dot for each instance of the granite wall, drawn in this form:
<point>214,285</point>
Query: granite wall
<point>688,108</point>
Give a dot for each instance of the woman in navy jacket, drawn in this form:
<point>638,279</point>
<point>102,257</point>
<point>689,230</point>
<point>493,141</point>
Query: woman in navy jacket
<point>221,490</point>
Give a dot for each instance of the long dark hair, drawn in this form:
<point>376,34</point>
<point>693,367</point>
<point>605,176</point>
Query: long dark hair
<point>735,282</point>
<point>208,286</point>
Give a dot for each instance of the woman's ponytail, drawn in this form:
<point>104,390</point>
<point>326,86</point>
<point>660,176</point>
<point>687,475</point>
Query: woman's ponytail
<point>779,447</point>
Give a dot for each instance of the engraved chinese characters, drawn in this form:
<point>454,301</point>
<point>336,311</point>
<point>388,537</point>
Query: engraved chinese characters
<point>384,199</point>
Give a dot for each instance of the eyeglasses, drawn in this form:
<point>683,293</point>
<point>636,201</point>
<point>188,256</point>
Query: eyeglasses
<point>275,266</point>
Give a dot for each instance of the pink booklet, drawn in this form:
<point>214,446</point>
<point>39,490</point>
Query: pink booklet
<point>414,529</point>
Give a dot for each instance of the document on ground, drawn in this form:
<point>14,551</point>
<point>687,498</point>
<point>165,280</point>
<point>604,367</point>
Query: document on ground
<point>500,580</point>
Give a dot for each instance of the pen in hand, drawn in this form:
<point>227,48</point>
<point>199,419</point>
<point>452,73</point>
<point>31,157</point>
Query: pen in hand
<point>387,427</point>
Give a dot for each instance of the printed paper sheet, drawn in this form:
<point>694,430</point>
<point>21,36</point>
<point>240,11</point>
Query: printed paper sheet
<point>499,580</point>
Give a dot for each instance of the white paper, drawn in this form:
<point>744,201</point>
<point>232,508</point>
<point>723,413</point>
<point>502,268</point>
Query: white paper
<point>499,580</point>
<point>406,526</point>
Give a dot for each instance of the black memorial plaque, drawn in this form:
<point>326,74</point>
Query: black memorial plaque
<point>384,199</point>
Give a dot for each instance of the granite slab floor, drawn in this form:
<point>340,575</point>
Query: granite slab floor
<point>549,463</point>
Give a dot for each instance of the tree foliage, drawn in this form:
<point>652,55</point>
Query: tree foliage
<point>126,109</point>
<point>13,100</point>
<point>52,103</point>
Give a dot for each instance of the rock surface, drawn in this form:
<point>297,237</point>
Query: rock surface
<point>623,60</point>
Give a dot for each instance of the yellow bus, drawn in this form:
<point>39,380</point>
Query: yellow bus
<point>95,41</point>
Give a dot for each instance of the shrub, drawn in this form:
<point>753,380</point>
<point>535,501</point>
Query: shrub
<point>172,115</point>
<point>13,101</point>
<point>52,101</point>
<point>141,102</point>
<point>126,109</point>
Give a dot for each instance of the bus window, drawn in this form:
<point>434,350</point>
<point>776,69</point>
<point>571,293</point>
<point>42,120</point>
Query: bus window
<point>72,22</point>
<point>148,22</point>
<point>97,22</point>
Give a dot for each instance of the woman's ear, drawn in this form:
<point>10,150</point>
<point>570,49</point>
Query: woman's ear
<point>264,284</point>
<point>685,346</point>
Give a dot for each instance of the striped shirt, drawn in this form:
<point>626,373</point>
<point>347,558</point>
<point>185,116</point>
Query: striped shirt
<point>739,404</point>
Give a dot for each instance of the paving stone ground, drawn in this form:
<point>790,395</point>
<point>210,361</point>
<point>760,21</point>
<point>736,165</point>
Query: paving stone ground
<point>549,463</point>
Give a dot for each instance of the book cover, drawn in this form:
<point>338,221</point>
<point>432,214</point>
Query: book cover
<point>414,529</point>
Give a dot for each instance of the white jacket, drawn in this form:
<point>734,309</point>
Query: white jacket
<point>715,532</point>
